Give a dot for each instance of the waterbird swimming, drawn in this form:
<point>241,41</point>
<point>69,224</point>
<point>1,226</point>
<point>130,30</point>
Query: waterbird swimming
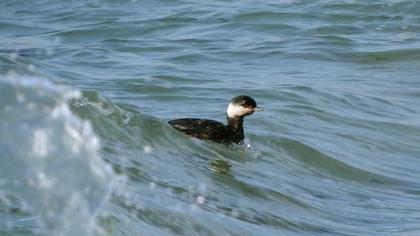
<point>233,132</point>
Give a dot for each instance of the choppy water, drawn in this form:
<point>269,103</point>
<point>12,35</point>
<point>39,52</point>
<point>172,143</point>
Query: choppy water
<point>86,88</point>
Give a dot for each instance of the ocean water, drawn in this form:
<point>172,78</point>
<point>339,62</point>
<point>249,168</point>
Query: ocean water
<point>87,88</point>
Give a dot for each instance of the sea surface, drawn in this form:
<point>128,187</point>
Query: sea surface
<point>87,88</point>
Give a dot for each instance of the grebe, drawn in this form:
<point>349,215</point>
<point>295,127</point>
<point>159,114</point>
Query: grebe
<point>233,132</point>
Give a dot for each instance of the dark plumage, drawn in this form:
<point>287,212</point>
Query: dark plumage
<point>233,132</point>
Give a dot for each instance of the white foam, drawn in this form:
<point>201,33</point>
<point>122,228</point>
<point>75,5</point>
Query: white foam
<point>40,143</point>
<point>54,157</point>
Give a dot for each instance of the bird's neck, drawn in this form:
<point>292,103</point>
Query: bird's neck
<point>235,124</point>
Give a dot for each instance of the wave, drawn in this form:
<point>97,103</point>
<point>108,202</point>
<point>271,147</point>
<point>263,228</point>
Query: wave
<point>51,169</point>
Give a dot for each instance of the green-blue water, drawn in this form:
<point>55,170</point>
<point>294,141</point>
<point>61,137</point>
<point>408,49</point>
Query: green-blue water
<point>86,88</point>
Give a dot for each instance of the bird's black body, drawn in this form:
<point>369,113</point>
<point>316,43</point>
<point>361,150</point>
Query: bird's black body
<point>213,130</point>
<point>210,129</point>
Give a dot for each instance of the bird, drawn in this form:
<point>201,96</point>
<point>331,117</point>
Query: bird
<point>205,129</point>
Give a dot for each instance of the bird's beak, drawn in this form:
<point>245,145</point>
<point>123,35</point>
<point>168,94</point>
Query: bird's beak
<point>258,109</point>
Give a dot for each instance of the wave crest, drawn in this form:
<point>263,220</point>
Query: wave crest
<point>50,158</point>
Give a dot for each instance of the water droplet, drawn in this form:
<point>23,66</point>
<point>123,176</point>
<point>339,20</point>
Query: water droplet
<point>200,199</point>
<point>147,149</point>
<point>40,143</point>
<point>31,67</point>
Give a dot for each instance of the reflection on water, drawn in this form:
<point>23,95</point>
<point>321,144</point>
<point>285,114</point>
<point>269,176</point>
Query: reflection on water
<point>220,166</point>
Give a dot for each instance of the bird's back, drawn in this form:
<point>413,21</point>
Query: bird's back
<point>202,129</point>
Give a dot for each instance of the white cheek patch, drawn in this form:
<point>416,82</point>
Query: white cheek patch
<point>237,110</point>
